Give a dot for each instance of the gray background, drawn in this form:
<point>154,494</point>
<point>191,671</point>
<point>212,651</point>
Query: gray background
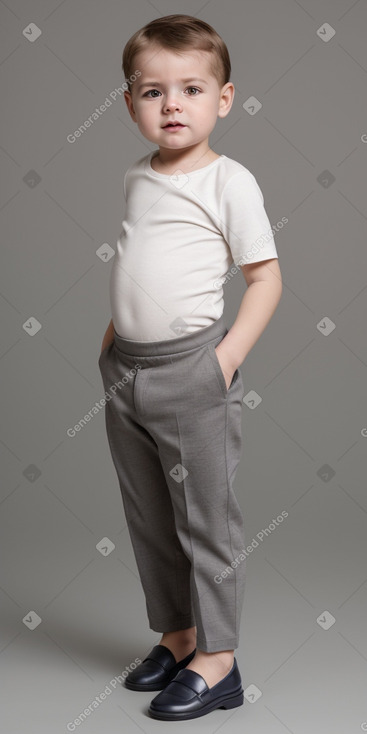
<point>304,444</point>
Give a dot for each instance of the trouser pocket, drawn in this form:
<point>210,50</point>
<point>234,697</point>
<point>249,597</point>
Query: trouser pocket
<point>104,351</point>
<point>217,370</point>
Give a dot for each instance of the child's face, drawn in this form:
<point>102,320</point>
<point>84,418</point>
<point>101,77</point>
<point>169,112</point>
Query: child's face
<point>195,103</point>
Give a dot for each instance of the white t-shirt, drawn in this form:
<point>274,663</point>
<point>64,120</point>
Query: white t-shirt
<point>180,235</point>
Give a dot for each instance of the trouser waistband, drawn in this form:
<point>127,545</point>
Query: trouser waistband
<point>172,346</point>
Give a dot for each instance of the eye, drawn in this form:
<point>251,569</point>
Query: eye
<point>150,90</point>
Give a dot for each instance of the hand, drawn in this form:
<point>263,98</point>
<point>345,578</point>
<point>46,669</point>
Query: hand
<point>226,366</point>
<point>106,343</point>
<point>109,336</point>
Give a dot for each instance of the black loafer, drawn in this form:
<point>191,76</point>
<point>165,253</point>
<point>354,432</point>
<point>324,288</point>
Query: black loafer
<point>156,670</point>
<point>188,696</point>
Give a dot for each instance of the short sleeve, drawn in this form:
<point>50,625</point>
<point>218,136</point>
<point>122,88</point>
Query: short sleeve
<point>243,220</point>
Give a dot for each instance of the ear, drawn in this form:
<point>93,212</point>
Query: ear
<point>129,104</point>
<point>226,99</point>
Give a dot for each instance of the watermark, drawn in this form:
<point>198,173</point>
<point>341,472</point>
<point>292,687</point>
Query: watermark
<point>262,240</point>
<point>97,407</point>
<point>254,544</point>
<point>254,249</point>
<point>112,684</point>
<point>98,112</point>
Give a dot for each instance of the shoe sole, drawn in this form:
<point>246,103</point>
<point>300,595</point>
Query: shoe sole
<point>229,702</point>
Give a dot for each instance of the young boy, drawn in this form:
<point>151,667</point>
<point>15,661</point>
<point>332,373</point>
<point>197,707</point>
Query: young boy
<point>174,423</point>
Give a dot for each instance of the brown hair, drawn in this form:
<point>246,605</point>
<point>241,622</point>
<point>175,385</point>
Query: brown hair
<point>178,32</point>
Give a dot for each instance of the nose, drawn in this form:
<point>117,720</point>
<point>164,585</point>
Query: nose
<point>172,106</point>
<point>172,103</point>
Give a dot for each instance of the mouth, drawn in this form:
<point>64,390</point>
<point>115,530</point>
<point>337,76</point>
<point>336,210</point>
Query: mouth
<point>171,126</point>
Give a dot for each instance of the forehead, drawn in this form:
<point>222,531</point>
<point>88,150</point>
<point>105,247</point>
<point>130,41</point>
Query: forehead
<point>167,64</point>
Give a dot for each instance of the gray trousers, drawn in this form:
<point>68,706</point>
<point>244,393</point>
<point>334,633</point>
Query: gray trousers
<point>175,436</point>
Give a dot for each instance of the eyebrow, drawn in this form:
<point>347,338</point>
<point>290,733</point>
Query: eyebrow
<point>184,81</point>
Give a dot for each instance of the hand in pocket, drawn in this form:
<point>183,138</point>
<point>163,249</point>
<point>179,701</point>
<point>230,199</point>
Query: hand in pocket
<point>104,347</point>
<point>226,368</point>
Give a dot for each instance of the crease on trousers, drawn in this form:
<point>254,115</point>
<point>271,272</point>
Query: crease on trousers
<point>175,437</point>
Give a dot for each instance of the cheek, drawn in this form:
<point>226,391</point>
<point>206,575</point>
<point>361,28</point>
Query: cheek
<point>147,114</point>
<point>208,116</point>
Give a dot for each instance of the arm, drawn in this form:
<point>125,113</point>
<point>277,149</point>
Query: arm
<point>261,299</point>
<point>108,337</point>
